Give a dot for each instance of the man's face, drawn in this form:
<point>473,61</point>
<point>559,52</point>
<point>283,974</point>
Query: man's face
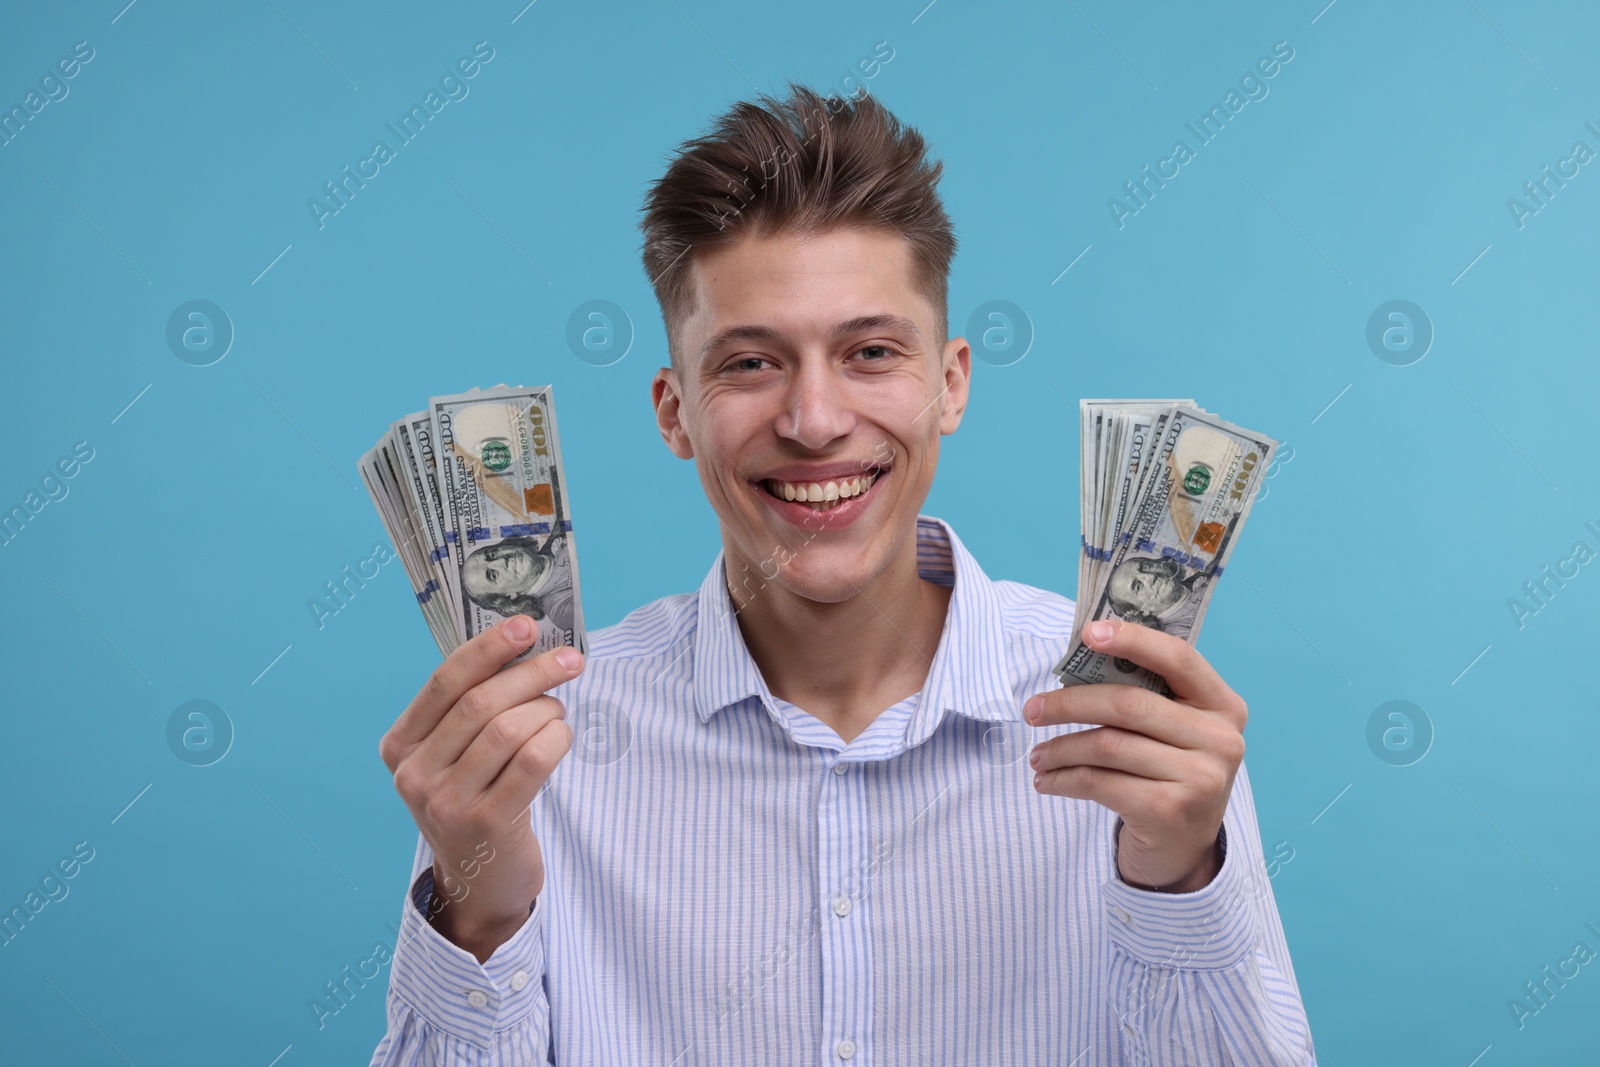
<point>809,360</point>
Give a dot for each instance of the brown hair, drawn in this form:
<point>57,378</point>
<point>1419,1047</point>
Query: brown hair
<point>806,165</point>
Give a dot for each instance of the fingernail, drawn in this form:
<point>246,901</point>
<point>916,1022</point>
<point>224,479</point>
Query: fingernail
<point>568,657</point>
<point>1034,758</point>
<point>520,628</point>
<point>1100,632</point>
<point>1030,710</point>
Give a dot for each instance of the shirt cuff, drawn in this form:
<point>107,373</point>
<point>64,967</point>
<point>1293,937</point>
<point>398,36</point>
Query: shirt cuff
<point>1212,927</point>
<point>450,989</point>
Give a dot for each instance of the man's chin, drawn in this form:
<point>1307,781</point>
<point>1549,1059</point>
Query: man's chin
<point>821,574</point>
<point>832,588</point>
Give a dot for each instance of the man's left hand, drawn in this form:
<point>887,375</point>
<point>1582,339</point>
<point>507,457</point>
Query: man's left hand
<point>1166,765</point>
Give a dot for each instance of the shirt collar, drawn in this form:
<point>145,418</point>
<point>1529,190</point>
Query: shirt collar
<point>970,674</point>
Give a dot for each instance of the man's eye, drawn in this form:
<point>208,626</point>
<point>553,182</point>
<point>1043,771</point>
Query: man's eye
<point>745,363</point>
<point>1137,585</point>
<point>492,574</point>
<point>885,350</point>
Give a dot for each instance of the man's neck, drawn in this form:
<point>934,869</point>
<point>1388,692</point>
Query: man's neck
<point>847,662</point>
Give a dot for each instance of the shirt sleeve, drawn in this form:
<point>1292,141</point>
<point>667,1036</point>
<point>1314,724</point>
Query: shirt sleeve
<point>1206,976</point>
<point>444,1007</point>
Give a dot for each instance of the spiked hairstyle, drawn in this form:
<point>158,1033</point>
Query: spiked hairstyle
<point>806,164</point>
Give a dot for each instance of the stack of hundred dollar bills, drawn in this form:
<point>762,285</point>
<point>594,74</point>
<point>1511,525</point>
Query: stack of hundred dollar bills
<point>474,497</point>
<point>1166,487</point>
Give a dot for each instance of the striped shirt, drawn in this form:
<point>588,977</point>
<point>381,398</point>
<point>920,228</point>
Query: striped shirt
<point>728,882</point>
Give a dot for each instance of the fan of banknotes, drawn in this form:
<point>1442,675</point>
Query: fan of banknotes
<point>474,497</point>
<point>1166,487</point>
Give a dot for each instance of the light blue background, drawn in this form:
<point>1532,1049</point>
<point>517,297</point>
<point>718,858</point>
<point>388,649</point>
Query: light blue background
<point>1378,566</point>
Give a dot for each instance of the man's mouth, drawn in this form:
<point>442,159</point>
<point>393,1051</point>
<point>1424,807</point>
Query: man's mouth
<point>824,495</point>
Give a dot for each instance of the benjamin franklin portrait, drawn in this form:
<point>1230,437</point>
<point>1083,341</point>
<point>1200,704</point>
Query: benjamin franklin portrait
<point>1144,590</point>
<point>522,575</point>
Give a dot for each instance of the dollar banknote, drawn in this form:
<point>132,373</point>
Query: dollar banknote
<point>1116,436</point>
<point>384,470</point>
<point>1166,489</point>
<point>474,494</point>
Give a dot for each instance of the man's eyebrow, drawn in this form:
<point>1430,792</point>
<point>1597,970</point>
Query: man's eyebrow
<point>886,322</point>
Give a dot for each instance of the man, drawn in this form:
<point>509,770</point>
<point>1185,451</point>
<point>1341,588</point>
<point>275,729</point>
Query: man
<point>795,825</point>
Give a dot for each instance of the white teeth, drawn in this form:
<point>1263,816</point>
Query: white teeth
<point>830,492</point>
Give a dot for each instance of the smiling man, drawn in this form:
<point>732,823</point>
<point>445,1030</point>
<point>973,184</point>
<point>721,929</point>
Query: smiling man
<point>829,808</point>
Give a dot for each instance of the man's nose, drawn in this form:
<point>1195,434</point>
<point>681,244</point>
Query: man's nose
<point>816,406</point>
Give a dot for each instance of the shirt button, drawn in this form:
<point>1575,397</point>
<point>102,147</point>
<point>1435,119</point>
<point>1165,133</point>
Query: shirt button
<point>841,767</point>
<point>846,1049</point>
<point>519,979</point>
<point>1122,914</point>
<point>477,999</point>
<point>841,906</point>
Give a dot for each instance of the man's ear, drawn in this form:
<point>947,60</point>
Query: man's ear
<point>957,378</point>
<point>666,397</point>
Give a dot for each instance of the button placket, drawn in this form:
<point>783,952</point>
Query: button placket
<point>846,978</point>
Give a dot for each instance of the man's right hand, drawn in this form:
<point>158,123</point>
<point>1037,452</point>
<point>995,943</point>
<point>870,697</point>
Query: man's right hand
<point>468,755</point>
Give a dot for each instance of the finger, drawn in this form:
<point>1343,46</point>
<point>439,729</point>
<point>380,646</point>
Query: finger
<point>1125,706</point>
<point>517,684</point>
<point>499,740</point>
<point>464,668</point>
<point>530,767</point>
<point>1129,795</point>
<point>1180,663</point>
<point>1107,746</point>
